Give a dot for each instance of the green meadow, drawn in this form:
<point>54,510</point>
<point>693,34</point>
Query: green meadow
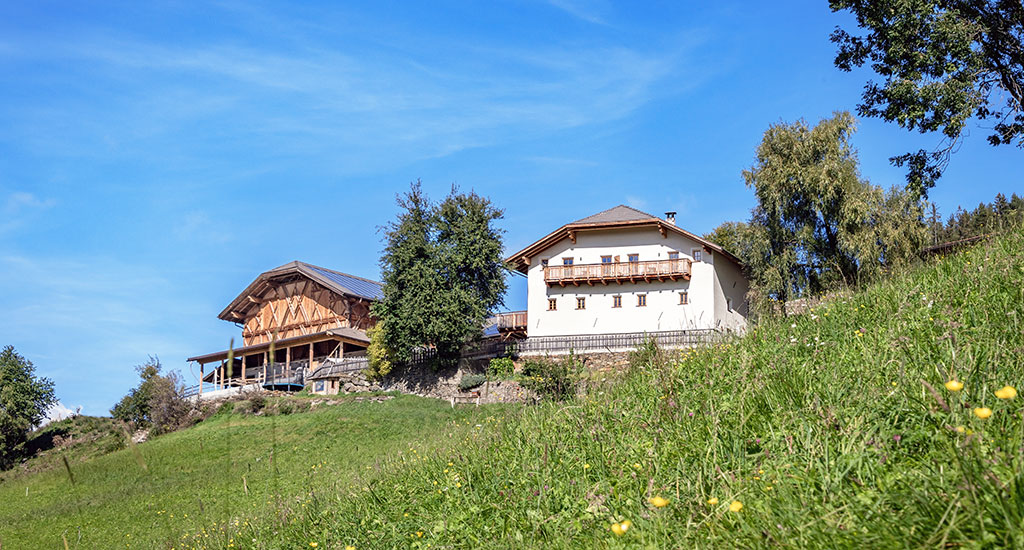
<point>231,468</point>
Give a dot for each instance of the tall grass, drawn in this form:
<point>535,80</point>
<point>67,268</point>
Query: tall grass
<point>825,430</point>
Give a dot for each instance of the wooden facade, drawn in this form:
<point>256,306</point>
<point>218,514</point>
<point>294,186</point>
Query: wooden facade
<point>302,307</point>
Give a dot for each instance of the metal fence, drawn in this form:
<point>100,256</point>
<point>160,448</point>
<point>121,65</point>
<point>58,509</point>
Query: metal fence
<point>616,342</point>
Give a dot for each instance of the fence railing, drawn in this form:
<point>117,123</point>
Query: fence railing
<point>278,373</point>
<point>615,342</point>
<point>652,269</point>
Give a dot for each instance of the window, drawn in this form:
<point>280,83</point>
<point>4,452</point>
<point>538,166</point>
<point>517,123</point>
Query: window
<point>552,304</point>
<point>684,297</point>
<point>634,257</point>
<point>696,253</point>
<point>641,300</point>
<point>673,255</point>
<point>606,259</point>
<point>544,262</point>
<point>566,261</point>
<point>581,303</point>
<point>616,301</point>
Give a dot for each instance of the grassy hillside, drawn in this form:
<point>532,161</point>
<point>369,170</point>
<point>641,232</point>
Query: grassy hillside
<point>75,439</point>
<point>230,468</point>
<point>830,429</point>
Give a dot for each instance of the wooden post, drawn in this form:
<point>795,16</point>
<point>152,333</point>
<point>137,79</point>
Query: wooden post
<point>311,357</point>
<point>201,376</point>
<point>288,362</point>
<point>243,369</point>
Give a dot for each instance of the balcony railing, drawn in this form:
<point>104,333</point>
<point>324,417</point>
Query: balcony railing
<point>513,320</point>
<point>604,273</point>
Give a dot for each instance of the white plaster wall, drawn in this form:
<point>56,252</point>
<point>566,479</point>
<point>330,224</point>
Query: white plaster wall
<point>663,311</point>
<point>730,284</point>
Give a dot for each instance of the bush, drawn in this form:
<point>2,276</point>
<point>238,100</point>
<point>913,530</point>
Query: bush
<point>555,379</point>
<point>471,381</point>
<point>501,368</point>
<point>157,402</point>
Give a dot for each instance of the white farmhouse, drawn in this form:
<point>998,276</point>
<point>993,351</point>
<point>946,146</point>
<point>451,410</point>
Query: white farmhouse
<point>625,271</point>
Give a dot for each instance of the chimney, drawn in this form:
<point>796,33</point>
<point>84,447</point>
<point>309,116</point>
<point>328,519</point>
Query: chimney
<point>670,217</point>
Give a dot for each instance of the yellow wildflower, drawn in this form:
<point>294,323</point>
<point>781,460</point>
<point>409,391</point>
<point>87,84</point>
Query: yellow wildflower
<point>1006,392</point>
<point>736,506</point>
<point>954,385</point>
<point>713,501</point>
<point>626,525</point>
<point>960,429</point>
<point>313,545</point>
<point>617,529</point>
<point>350,548</point>
<point>983,412</point>
<point>586,466</point>
<point>658,502</point>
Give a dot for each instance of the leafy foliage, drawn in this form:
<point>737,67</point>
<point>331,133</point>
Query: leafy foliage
<point>377,352</point>
<point>501,368</point>
<point>470,381</point>
<point>157,401</point>
<point>442,271</point>
<point>24,400</point>
<point>554,379</point>
<point>817,225</point>
<point>942,62</point>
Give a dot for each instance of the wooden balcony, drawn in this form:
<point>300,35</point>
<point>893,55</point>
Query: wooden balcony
<point>513,320</point>
<point>622,272</point>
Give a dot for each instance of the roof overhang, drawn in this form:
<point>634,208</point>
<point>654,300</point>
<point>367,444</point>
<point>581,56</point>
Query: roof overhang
<point>239,308</point>
<point>347,335</point>
<point>520,261</point>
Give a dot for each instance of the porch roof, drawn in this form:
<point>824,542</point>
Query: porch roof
<point>349,335</point>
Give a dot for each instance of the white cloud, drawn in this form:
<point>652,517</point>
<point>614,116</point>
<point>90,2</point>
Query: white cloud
<point>58,412</point>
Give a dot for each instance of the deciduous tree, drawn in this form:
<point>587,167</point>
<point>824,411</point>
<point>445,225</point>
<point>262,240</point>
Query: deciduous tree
<point>442,272</point>
<point>942,62</point>
<point>24,399</point>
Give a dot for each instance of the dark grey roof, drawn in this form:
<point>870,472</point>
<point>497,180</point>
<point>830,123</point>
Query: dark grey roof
<point>620,213</point>
<point>350,283</point>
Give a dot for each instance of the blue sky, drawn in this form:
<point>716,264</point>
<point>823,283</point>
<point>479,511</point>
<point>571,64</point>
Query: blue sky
<point>155,157</point>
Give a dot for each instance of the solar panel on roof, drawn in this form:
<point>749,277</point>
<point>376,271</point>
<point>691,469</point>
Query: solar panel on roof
<point>356,285</point>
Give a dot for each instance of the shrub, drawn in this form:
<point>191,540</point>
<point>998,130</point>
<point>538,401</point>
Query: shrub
<point>471,381</point>
<point>555,379</point>
<point>157,402</point>
<point>501,368</point>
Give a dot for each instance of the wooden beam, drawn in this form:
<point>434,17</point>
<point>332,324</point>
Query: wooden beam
<point>572,236</point>
<point>253,299</point>
<point>201,376</point>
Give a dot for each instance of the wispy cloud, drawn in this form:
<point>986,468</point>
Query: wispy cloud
<point>19,208</point>
<point>591,11</point>
<point>85,321</point>
<point>361,109</point>
<point>198,225</point>
<point>636,202</point>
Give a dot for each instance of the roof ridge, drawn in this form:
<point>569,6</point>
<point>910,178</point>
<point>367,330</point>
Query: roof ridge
<point>598,215</point>
<point>307,264</point>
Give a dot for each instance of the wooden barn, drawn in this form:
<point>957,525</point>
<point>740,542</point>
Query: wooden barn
<point>294,319</point>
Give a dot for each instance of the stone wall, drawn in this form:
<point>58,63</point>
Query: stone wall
<point>444,384</point>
